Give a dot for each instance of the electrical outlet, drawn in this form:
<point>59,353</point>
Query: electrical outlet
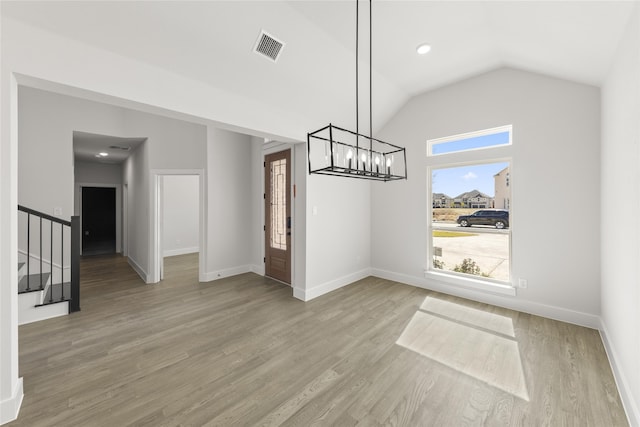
<point>522,283</point>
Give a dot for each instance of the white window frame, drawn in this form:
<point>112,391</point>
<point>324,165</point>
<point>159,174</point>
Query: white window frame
<point>469,135</point>
<point>474,156</point>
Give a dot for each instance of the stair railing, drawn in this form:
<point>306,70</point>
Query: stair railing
<point>73,295</point>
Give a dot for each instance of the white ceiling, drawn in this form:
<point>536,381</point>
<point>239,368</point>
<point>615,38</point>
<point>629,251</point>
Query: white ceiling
<point>212,42</point>
<point>87,145</point>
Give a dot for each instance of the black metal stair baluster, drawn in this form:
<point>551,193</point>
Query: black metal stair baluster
<point>28,249</point>
<point>40,253</point>
<point>74,303</point>
<point>62,262</point>
<point>51,263</point>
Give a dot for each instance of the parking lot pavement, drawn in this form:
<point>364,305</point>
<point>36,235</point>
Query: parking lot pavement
<point>490,251</point>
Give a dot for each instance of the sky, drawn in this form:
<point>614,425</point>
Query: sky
<point>482,141</point>
<point>458,180</point>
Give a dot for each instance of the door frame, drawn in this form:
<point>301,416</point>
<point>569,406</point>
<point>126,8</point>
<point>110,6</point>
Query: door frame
<point>270,148</point>
<point>286,154</point>
<point>155,223</point>
<point>125,219</point>
<point>119,213</point>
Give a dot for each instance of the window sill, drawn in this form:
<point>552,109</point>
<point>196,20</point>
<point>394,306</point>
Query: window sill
<point>471,283</point>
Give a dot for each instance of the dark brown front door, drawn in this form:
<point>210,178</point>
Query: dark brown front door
<point>277,208</point>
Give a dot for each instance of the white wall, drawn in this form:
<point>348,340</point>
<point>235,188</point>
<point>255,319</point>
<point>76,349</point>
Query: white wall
<point>98,173</point>
<point>338,233</point>
<point>229,180</point>
<point>181,219</point>
<point>620,191</point>
<point>555,177</point>
<point>46,172</point>
<point>135,175</point>
<point>300,176</point>
<point>257,206</point>
<point>173,144</point>
<point>11,391</point>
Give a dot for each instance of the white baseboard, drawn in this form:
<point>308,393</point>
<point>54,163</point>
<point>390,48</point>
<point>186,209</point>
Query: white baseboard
<point>548,311</point>
<point>143,274</point>
<point>9,408</point>
<point>181,251</point>
<point>227,272</point>
<point>258,269</point>
<point>630,404</point>
<point>332,285</point>
<point>298,293</point>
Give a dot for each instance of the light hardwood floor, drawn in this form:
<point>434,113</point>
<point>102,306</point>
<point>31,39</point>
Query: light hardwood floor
<point>242,351</point>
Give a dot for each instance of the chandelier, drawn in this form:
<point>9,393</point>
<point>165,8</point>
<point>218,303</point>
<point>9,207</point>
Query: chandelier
<point>336,151</point>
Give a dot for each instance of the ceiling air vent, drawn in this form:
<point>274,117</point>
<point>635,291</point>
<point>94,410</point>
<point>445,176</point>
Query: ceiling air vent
<point>119,147</point>
<point>268,46</point>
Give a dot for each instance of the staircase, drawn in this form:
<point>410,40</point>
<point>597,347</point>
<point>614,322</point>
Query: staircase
<point>48,267</point>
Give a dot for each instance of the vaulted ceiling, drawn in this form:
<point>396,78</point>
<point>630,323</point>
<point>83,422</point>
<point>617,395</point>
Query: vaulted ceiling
<point>213,42</point>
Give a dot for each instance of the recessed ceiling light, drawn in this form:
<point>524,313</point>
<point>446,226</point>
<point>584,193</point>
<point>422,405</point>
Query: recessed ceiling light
<point>103,154</point>
<point>423,48</point>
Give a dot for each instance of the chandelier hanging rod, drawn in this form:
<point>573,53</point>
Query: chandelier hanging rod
<point>370,69</point>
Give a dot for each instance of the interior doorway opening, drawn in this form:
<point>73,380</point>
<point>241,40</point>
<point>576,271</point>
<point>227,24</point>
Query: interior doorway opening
<point>99,219</point>
<point>178,201</point>
<point>180,233</point>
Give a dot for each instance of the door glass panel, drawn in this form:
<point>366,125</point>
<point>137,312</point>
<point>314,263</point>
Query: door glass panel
<point>278,238</point>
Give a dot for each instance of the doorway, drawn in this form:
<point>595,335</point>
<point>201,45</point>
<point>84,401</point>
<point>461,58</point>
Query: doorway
<point>277,210</point>
<point>180,231</point>
<point>157,244</point>
<point>98,220</point>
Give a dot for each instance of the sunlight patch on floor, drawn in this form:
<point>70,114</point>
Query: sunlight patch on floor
<point>494,322</point>
<point>448,336</point>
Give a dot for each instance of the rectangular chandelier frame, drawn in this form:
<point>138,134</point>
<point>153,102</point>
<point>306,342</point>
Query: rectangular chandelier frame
<point>340,152</point>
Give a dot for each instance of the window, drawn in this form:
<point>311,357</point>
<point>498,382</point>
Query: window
<point>470,141</point>
<point>470,200</point>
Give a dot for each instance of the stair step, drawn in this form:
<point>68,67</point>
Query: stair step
<point>57,289</point>
<point>21,273</point>
<point>34,282</point>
